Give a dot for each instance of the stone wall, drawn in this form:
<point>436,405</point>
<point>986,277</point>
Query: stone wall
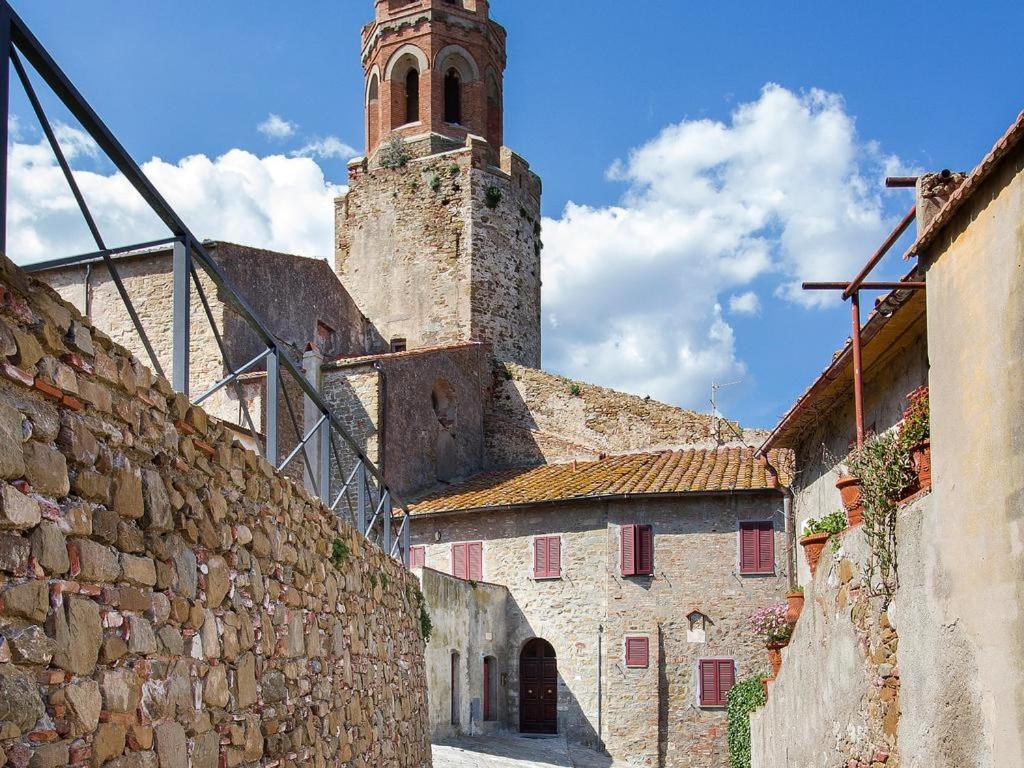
<point>165,598</point>
<point>468,621</point>
<point>647,716</point>
<point>428,261</point>
<point>836,701</point>
<point>537,417</point>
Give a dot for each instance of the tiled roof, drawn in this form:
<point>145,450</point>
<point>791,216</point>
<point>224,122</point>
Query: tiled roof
<point>668,472</point>
<point>1014,134</point>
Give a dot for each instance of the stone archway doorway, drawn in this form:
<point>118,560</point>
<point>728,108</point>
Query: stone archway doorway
<point>538,688</point>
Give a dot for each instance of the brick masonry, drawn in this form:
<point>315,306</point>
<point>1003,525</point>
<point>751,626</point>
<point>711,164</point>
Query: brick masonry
<point>649,716</point>
<point>165,598</point>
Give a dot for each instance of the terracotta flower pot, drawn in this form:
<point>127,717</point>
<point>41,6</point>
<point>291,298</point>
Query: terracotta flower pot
<point>796,605</point>
<point>921,459</point>
<point>849,490</point>
<point>813,546</point>
<point>775,657</point>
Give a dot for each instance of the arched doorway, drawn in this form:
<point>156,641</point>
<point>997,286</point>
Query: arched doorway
<point>538,688</point>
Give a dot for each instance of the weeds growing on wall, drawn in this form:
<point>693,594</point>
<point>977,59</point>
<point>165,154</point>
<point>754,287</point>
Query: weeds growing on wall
<point>426,625</point>
<point>339,553</point>
<point>394,153</point>
<point>435,183</point>
<point>883,466</point>
<point>492,197</point>
<point>742,699</point>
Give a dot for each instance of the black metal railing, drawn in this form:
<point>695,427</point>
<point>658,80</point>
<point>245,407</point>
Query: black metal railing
<point>335,467</point>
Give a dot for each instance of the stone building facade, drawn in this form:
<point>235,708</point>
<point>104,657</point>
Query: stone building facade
<point>692,606</point>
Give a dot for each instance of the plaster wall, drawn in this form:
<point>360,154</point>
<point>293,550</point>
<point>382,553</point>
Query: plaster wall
<point>975,569</point>
<point>468,620</point>
<point>648,716</point>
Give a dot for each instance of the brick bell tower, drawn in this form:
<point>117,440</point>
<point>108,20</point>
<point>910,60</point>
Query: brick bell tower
<point>438,237</point>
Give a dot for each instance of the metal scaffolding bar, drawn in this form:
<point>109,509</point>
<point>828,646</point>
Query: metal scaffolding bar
<point>890,241</point>
<point>181,275</point>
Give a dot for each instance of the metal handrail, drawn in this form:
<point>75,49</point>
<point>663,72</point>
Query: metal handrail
<point>188,252</point>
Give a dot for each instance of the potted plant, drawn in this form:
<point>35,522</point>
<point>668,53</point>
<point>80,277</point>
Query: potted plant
<point>795,601</point>
<point>915,437</point>
<point>770,625</point>
<point>850,492</point>
<point>817,532</point>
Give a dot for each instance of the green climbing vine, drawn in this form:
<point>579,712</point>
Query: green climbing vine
<point>742,699</point>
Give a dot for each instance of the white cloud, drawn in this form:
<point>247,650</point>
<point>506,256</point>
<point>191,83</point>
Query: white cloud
<point>276,202</point>
<point>276,127</point>
<point>784,192</point>
<point>745,304</point>
<point>328,148</point>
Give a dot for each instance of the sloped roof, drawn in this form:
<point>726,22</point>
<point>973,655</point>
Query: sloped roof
<point>639,474</point>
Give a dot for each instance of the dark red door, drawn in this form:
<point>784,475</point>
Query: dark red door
<point>488,688</point>
<point>538,688</point>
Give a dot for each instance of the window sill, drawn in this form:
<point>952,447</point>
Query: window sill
<point>758,573</point>
<point>547,578</point>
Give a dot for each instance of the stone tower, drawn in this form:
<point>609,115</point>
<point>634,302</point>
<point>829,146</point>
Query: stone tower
<point>438,239</point>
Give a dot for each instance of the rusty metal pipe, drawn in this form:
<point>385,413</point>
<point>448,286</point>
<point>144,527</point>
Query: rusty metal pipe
<point>900,181</point>
<point>890,241</point>
<point>858,381</point>
<point>883,286</point>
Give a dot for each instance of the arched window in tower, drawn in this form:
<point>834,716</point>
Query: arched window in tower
<point>412,96</point>
<point>374,92</point>
<point>453,97</point>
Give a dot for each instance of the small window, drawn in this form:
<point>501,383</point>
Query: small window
<point>637,652</point>
<point>490,689</point>
<point>398,344</point>
<point>453,97</point>
<point>636,550</point>
<point>417,557</point>
<point>324,336</point>
<point>757,547</point>
<point>547,557</point>
<point>717,677</point>
<point>467,560</point>
<point>455,689</point>
<point>412,96</point>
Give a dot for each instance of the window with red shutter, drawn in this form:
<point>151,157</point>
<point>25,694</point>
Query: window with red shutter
<point>717,677</point>
<point>417,557</point>
<point>637,652</point>
<point>636,545</point>
<point>547,557</point>
<point>459,561</point>
<point>757,547</point>
<point>476,561</point>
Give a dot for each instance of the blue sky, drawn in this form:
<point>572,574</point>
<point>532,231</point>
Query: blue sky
<point>921,85</point>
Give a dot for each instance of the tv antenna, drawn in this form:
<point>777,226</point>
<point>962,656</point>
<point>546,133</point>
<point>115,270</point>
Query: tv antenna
<point>716,416</point>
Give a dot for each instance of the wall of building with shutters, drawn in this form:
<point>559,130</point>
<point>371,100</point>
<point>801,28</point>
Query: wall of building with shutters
<point>648,713</point>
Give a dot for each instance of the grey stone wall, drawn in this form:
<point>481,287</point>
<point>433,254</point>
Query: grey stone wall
<point>166,599</point>
<point>646,715</point>
<point>469,620</point>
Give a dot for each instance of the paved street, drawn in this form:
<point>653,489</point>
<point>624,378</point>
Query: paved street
<point>515,752</point>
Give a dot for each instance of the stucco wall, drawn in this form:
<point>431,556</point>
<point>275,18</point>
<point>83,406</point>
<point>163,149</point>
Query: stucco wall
<point>646,714</point>
<point>468,619</point>
<point>837,699</point>
<point>886,384</point>
<point>167,600</point>
<point>537,417</point>
<point>975,277</point>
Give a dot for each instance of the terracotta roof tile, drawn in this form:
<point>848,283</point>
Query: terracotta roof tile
<point>666,472</point>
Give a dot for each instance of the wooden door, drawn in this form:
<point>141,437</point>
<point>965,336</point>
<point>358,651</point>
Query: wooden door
<point>538,688</point>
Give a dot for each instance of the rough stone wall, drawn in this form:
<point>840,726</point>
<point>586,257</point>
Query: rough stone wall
<point>165,598</point>
<point>647,715</point>
<point>975,564</point>
<point>428,261</point>
<point>537,417</point>
<point>836,701</point>
<point>469,620</point>
<point>821,450</point>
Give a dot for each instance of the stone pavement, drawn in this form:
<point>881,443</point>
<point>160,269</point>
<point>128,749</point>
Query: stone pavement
<point>515,752</point>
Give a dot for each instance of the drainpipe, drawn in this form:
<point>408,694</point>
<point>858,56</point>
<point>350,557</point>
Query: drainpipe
<point>787,513</point>
<point>600,636</point>
<point>382,416</point>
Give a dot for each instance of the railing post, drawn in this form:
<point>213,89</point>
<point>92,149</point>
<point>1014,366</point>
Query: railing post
<point>361,497</point>
<point>386,511</point>
<point>325,462</point>
<point>5,72</point>
<point>273,398</point>
<point>182,304</point>
<point>406,539</point>
<point>312,364</point>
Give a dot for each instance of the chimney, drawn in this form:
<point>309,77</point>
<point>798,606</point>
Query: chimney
<point>933,191</point>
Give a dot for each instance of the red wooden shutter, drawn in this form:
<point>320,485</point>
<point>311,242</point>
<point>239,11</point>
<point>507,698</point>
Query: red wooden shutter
<point>748,548</point>
<point>627,558</point>
<point>644,549</point>
<point>540,557</point>
<point>417,557</point>
<point>554,561</point>
<point>459,561</point>
<point>637,652</point>
<point>726,679</point>
<point>766,548</point>
<point>708,683</point>
<point>476,561</point>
